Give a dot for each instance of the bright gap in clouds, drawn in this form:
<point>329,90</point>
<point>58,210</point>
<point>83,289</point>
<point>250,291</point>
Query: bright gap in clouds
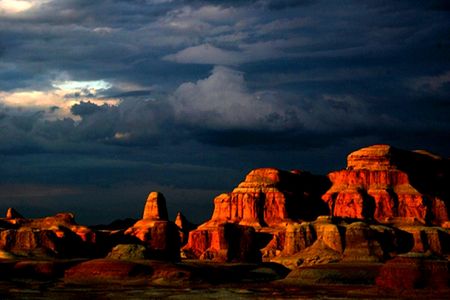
<point>14,6</point>
<point>64,95</point>
<point>18,6</point>
<point>76,85</point>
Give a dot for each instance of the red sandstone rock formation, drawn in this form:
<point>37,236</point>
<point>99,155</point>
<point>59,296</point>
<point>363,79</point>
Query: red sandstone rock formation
<point>155,207</point>
<point>270,197</point>
<point>225,242</point>
<point>11,213</point>
<point>383,182</point>
<point>184,226</point>
<point>267,201</point>
<point>58,235</point>
<point>159,235</point>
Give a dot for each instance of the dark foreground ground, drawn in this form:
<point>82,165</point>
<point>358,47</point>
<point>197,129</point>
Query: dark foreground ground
<point>113,279</point>
<point>58,290</point>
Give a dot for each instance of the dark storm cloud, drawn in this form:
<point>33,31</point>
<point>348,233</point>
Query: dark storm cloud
<point>226,85</point>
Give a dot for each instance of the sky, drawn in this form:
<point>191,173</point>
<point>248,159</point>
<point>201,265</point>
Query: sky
<point>103,101</point>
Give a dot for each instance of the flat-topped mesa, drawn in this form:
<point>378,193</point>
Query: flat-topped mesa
<point>155,207</point>
<point>268,197</point>
<point>376,157</point>
<point>267,200</point>
<point>383,182</point>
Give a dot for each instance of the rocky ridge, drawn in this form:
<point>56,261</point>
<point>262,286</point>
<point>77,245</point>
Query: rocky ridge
<point>384,217</point>
<point>255,212</point>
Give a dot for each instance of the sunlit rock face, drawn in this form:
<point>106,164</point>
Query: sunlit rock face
<point>255,212</point>
<point>385,183</point>
<point>56,236</point>
<point>155,231</point>
<point>155,207</point>
<point>11,213</point>
<point>269,197</point>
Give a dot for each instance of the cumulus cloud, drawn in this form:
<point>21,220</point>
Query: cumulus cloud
<point>102,89</point>
<point>206,54</point>
<point>246,52</point>
<point>223,101</point>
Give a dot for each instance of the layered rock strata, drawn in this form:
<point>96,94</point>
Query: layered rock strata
<point>270,197</point>
<point>256,212</point>
<point>57,235</point>
<point>385,183</point>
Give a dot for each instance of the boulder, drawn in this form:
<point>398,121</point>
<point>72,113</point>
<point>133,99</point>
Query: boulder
<point>128,252</point>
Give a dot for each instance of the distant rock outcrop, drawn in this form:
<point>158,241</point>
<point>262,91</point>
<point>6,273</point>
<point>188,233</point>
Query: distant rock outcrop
<point>184,226</point>
<point>58,236</point>
<point>157,233</point>
<point>382,222</point>
<point>128,252</point>
<point>11,213</point>
<point>385,183</point>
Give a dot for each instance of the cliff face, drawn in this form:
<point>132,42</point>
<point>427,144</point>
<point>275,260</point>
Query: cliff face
<point>269,197</point>
<point>265,201</point>
<point>276,215</point>
<point>385,183</point>
<point>275,211</point>
<point>155,207</point>
<point>57,235</point>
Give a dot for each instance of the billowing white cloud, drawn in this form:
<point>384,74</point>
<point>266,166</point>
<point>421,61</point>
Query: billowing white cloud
<point>222,101</point>
<point>206,54</point>
<point>247,52</point>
